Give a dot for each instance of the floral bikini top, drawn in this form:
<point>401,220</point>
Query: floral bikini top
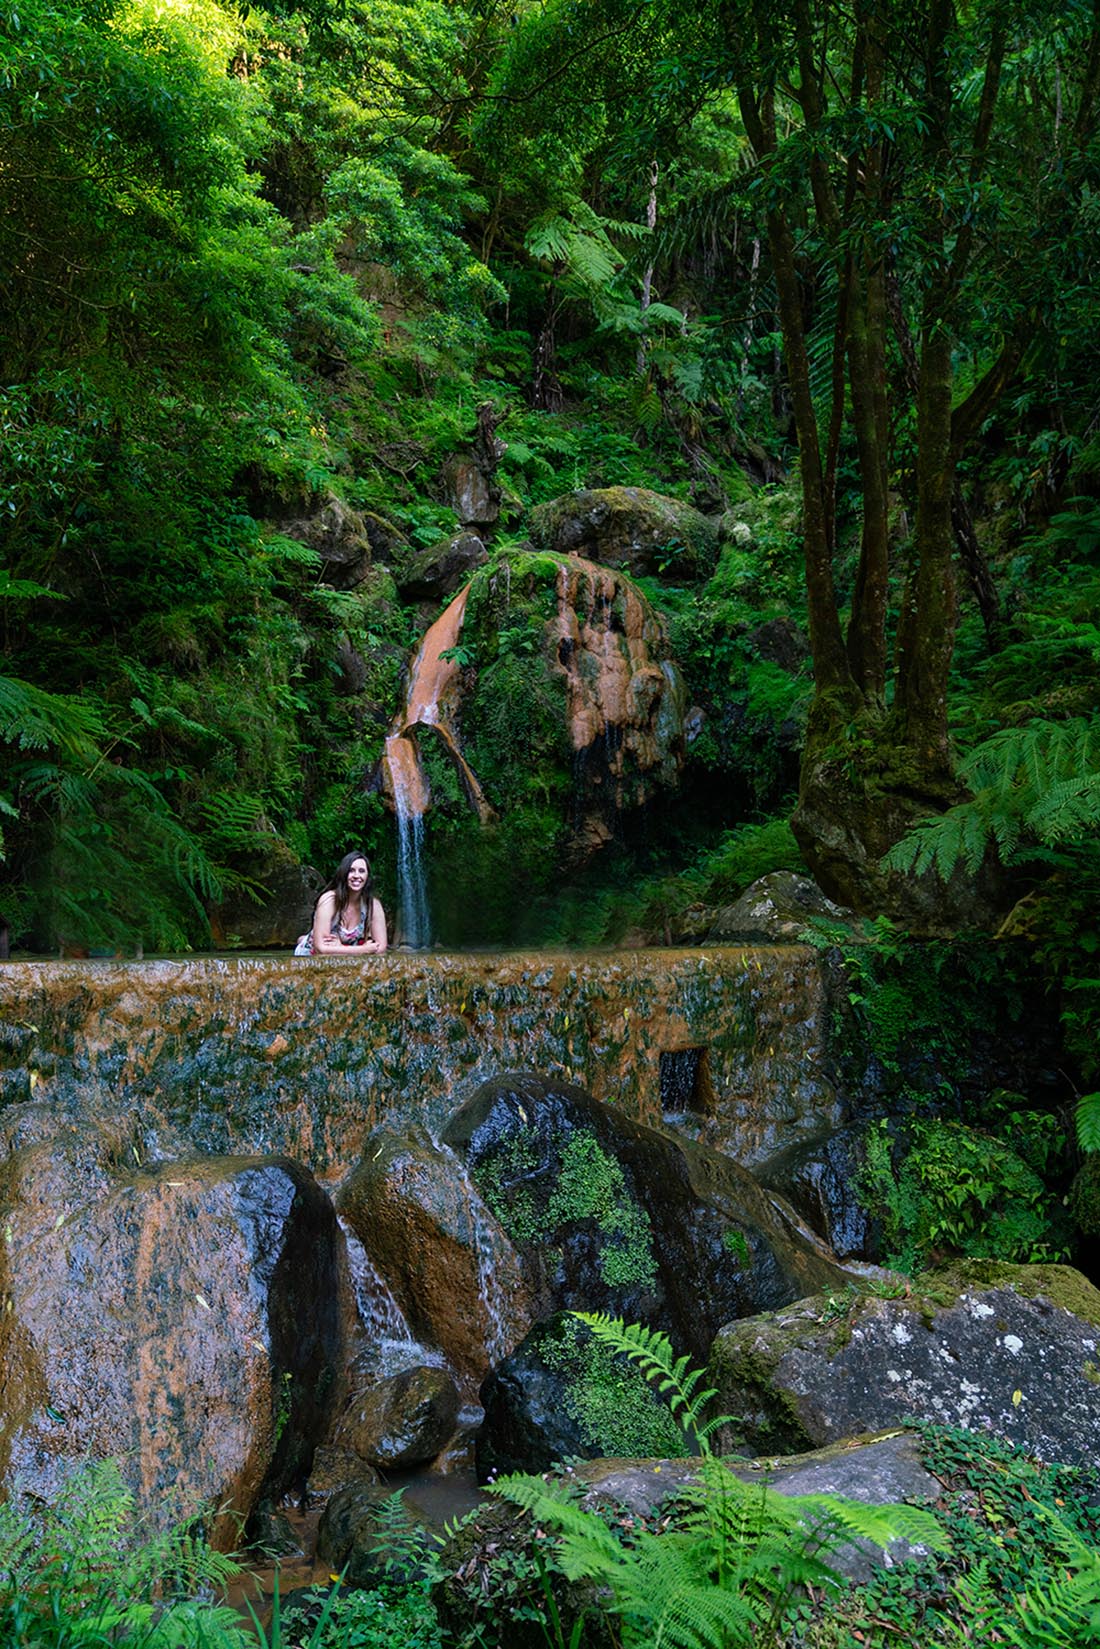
<point>350,936</point>
<point>346,935</point>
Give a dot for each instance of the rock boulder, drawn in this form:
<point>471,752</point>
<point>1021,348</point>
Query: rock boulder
<point>443,568</point>
<point>609,1215</point>
<point>443,1256</point>
<point>1010,1349</point>
<point>628,527</point>
<point>775,910</point>
<point>401,1420</point>
<point>183,1319</point>
<point>340,537</point>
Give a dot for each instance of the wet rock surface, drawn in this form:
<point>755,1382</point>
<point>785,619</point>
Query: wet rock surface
<point>625,697</point>
<point>822,1180</point>
<point>183,1320</point>
<point>304,1058</point>
<point>445,1259</point>
<point>401,1420</point>
<point>528,1426</point>
<point>1001,1348</point>
<point>608,1215</point>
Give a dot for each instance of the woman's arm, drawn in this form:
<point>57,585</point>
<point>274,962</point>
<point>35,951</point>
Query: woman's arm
<point>325,941</point>
<point>378,940</point>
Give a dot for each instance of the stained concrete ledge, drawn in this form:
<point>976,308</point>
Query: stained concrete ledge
<point>305,1056</point>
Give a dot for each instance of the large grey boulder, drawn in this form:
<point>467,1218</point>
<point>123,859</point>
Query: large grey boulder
<point>874,1471</point>
<point>628,527</point>
<point>1009,1349</point>
<point>775,909</point>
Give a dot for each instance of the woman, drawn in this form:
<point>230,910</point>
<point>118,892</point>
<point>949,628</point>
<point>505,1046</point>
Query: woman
<point>346,915</point>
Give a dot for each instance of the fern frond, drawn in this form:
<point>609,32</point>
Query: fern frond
<point>1037,785</point>
<point>277,547</point>
<point>881,1525</point>
<point>1087,1119</point>
<point>33,719</point>
<point>592,1547</point>
<point>1064,1616</point>
<point>654,1354</point>
<point>585,251</point>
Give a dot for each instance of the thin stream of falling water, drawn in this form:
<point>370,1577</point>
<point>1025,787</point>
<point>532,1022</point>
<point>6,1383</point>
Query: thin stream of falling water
<point>414,921</point>
<point>490,1290</point>
<point>385,1326</point>
<point>488,1284</point>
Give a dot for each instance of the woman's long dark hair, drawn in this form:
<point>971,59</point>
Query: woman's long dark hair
<point>339,884</point>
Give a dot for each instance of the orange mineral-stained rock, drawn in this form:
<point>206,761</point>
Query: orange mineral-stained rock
<point>625,697</point>
<point>449,1266</point>
<point>183,1320</point>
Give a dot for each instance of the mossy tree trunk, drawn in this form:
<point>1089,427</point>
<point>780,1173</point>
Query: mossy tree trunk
<point>878,752</point>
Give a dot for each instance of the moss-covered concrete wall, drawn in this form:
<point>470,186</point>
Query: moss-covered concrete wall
<point>304,1057</point>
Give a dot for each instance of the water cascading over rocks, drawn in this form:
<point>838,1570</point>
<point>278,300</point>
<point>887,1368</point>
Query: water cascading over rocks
<point>602,655</point>
<point>432,701</point>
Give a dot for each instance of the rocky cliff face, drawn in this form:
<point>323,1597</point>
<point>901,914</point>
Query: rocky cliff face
<point>601,657</point>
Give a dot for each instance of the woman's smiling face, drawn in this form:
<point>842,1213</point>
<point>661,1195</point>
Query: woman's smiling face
<point>357,875</point>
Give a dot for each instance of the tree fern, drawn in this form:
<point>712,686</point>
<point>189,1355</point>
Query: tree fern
<point>1036,784</point>
<point>579,240</point>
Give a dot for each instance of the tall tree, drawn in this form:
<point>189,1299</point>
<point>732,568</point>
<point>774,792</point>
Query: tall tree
<point>918,167</point>
<point>906,127</point>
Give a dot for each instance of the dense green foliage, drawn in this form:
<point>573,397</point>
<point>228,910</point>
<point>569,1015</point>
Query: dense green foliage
<point>1021,1570</point>
<point>266,264</point>
<point>945,1190</point>
<point>1015,1560</point>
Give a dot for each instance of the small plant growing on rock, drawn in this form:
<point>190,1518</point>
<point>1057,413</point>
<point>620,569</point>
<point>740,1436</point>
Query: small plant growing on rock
<point>952,1190</point>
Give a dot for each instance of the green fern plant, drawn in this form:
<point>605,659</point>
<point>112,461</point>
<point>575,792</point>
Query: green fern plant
<point>678,1383</point>
<point>1066,1613</point>
<point>1087,1118</point>
<point>727,1572</point>
<point>1038,784</point>
<point>84,1573</point>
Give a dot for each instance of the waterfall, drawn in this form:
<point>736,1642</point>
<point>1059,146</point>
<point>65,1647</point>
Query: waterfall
<point>414,925</point>
<point>410,800</point>
<point>391,1343</point>
<point>431,702</point>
